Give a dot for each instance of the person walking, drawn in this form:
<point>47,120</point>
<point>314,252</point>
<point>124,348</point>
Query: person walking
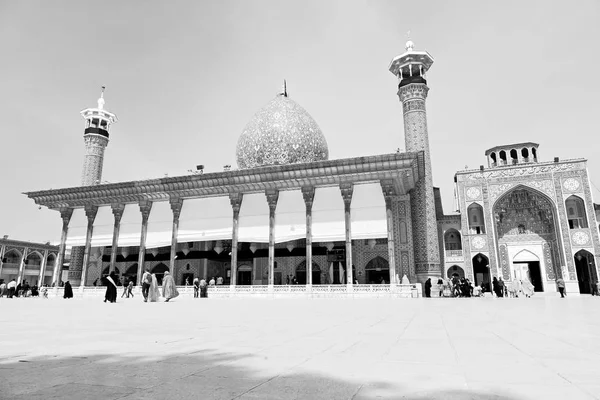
<point>2,288</point>
<point>560,284</point>
<point>130,289</point>
<point>196,287</point>
<point>125,287</point>
<point>203,288</point>
<point>11,287</point>
<point>169,288</point>
<point>440,284</point>
<point>146,283</point>
<point>153,292</point>
<point>111,288</point>
<point>68,292</point>
<point>428,287</point>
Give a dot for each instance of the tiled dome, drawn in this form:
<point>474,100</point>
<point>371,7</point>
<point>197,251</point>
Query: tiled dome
<point>282,132</point>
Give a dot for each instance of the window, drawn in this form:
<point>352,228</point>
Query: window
<point>476,222</point>
<point>576,213</point>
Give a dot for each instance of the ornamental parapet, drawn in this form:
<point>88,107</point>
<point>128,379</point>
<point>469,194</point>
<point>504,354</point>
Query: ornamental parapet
<point>404,169</point>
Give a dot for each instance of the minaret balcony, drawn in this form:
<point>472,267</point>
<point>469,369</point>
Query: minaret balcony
<point>96,131</point>
<point>412,79</point>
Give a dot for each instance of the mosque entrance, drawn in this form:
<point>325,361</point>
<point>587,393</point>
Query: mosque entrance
<point>244,275</point>
<point>481,272</point>
<point>378,271</point>
<point>529,270</point>
<point>159,272</point>
<point>301,273</point>
<point>526,266</point>
<point>586,271</point>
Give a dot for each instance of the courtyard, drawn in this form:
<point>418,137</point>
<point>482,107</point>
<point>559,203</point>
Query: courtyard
<point>473,348</point>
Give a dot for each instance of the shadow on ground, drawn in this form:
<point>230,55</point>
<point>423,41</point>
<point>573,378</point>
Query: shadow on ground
<point>200,374</point>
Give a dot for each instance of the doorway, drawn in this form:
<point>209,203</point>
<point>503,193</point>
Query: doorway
<point>244,277</point>
<point>586,271</point>
<point>531,271</point>
<point>481,272</point>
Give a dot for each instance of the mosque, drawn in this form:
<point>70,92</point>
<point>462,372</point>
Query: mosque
<point>288,214</point>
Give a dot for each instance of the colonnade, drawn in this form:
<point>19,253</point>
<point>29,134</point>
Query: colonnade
<point>236,199</point>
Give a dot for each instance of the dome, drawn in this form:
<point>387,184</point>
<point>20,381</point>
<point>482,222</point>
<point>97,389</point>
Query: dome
<point>282,132</point>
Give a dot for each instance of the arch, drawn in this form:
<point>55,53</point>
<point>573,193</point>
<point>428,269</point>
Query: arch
<point>514,156</point>
<point>585,267</point>
<point>493,157</point>
<point>525,153</point>
<point>502,157</point>
<point>452,240</point>
<point>377,263</point>
<point>13,256</point>
<point>481,271</point>
<point>377,270</point>
<point>301,273</point>
<point>34,259</point>
<point>534,153</point>
<point>159,270</point>
<point>576,214</point>
<point>50,260</point>
<point>476,220</point>
<point>457,271</point>
<point>525,256</point>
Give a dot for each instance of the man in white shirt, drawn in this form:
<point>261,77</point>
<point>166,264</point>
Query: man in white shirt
<point>12,286</point>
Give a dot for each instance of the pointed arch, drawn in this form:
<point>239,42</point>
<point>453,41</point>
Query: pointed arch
<point>377,263</point>
<point>12,256</point>
<point>476,219</point>
<point>576,214</point>
<point>524,256</point>
<point>452,239</point>
<point>34,258</point>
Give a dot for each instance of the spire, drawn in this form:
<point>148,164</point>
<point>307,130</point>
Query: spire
<point>409,43</point>
<point>101,99</point>
<point>284,92</point>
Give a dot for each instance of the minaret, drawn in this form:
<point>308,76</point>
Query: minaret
<point>411,68</point>
<point>97,125</point>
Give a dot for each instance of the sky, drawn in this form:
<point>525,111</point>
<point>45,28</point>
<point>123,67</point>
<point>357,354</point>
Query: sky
<point>185,77</point>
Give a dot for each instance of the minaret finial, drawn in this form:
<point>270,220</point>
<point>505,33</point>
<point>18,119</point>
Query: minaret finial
<point>101,99</point>
<point>409,43</point>
<point>284,89</point>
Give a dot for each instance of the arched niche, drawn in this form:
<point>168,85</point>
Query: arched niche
<point>476,220</point>
<point>457,271</point>
<point>576,212</point>
<point>301,273</point>
<point>452,240</point>
<point>159,270</point>
<point>585,266</point>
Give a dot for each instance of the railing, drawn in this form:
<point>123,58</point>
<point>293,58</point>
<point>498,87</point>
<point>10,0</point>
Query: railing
<point>407,290</point>
<point>454,253</point>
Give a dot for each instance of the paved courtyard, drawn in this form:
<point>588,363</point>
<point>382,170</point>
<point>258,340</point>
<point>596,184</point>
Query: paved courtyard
<point>540,348</point>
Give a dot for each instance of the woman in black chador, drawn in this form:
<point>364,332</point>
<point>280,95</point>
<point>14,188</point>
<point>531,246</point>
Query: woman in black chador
<point>428,287</point>
<point>68,291</point>
<point>111,288</point>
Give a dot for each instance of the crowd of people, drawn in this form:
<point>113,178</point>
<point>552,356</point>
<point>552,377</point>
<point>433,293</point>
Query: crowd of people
<point>463,287</point>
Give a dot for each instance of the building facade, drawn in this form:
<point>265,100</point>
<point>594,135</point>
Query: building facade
<point>288,214</point>
<point>527,219</point>
<point>35,263</point>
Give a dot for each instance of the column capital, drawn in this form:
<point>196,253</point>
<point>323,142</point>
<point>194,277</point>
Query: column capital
<point>389,191</point>
<point>145,208</point>
<point>117,210</point>
<point>272,198</point>
<point>65,214</point>
<point>235,198</point>
<point>176,205</point>
<point>308,192</point>
<point>90,212</point>
<point>347,189</point>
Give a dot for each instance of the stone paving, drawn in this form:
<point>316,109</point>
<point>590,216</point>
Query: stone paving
<point>478,348</point>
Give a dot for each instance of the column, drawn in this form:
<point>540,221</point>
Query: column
<point>145,207</point>
<point>43,268</point>
<point>117,210</point>
<point>388,193</point>
<point>2,249</point>
<point>65,215</point>
<point>22,265</point>
<point>236,204</point>
<point>347,190</point>
<point>176,204</point>
<point>272,197</point>
<point>90,213</point>
<point>309,195</point>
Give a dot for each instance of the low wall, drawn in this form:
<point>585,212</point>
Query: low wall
<point>257,291</point>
